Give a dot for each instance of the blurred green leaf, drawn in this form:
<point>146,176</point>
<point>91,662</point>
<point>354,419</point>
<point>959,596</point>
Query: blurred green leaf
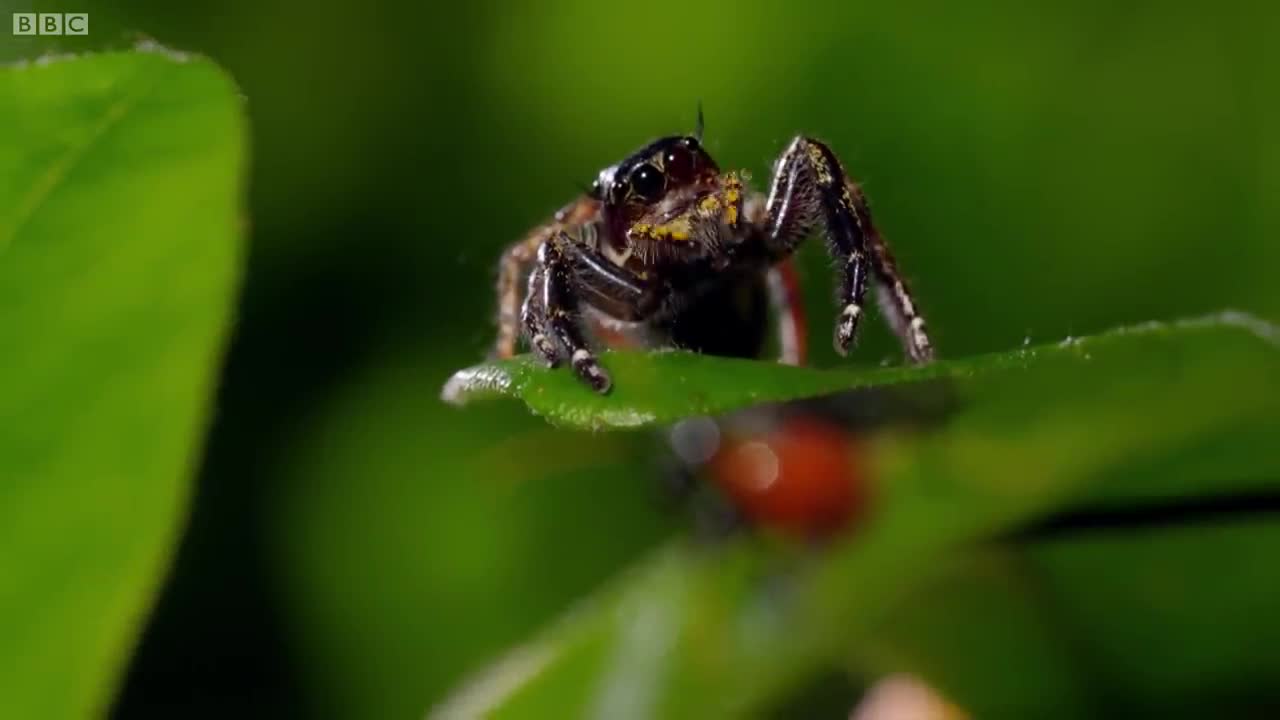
<point>1153,429</point>
<point>464,512</point>
<point>119,257</point>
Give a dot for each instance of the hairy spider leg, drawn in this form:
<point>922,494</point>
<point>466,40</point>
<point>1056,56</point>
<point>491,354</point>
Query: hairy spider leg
<point>517,262</point>
<point>533,317</point>
<point>560,308</point>
<point>897,304</point>
<point>810,189</point>
<point>564,274</point>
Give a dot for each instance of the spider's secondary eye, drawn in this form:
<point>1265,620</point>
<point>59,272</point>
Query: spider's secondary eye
<point>647,182</point>
<point>679,164</point>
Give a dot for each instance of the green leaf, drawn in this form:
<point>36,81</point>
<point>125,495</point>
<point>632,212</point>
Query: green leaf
<point>956,573</point>
<point>661,387</point>
<point>655,388</point>
<point>120,219</point>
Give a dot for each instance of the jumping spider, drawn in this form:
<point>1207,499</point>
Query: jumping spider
<point>664,249</point>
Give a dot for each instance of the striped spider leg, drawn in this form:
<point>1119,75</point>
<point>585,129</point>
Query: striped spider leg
<point>811,190</point>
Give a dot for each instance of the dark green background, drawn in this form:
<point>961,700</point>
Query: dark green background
<point>1041,169</point>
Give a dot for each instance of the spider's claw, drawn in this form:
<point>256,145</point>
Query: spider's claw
<point>587,368</point>
<point>847,328</point>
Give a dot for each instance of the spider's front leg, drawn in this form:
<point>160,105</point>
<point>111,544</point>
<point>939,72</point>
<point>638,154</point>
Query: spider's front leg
<point>566,274</point>
<point>811,190</point>
<point>517,262</point>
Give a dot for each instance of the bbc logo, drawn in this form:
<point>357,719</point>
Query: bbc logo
<point>51,24</point>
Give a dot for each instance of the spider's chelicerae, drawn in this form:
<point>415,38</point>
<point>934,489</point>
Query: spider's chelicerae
<point>665,249</point>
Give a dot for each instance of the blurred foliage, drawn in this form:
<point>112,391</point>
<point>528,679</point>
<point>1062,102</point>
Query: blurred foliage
<point>1042,170</point>
<point>729,632</point>
<point>120,215</point>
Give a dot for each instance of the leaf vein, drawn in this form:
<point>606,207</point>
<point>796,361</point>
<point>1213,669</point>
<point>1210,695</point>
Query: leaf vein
<point>59,170</point>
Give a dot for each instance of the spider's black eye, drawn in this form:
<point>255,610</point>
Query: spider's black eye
<point>678,162</point>
<point>597,190</point>
<point>647,182</point>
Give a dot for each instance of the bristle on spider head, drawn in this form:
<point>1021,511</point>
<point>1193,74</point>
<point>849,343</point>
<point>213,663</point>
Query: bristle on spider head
<point>699,125</point>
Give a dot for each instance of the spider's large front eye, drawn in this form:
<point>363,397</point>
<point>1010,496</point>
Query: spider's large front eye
<point>679,164</point>
<point>647,182</point>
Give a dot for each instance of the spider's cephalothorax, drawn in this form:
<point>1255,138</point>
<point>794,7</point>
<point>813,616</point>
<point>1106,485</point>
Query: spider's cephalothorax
<point>665,249</point>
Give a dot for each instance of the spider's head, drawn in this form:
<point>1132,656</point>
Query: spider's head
<point>652,173</point>
<point>650,199</point>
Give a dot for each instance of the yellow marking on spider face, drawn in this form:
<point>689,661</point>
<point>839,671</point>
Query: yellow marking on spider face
<point>732,198</point>
<point>678,229</point>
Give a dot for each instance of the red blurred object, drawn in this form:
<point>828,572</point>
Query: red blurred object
<point>804,476</point>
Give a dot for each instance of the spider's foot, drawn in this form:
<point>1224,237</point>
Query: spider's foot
<point>542,345</point>
<point>587,368</point>
<point>921,349</point>
<point>847,327</point>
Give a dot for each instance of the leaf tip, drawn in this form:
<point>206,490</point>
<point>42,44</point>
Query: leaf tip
<point>151,46</point>
<point>1262,328</point>
<point>473,382</point>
